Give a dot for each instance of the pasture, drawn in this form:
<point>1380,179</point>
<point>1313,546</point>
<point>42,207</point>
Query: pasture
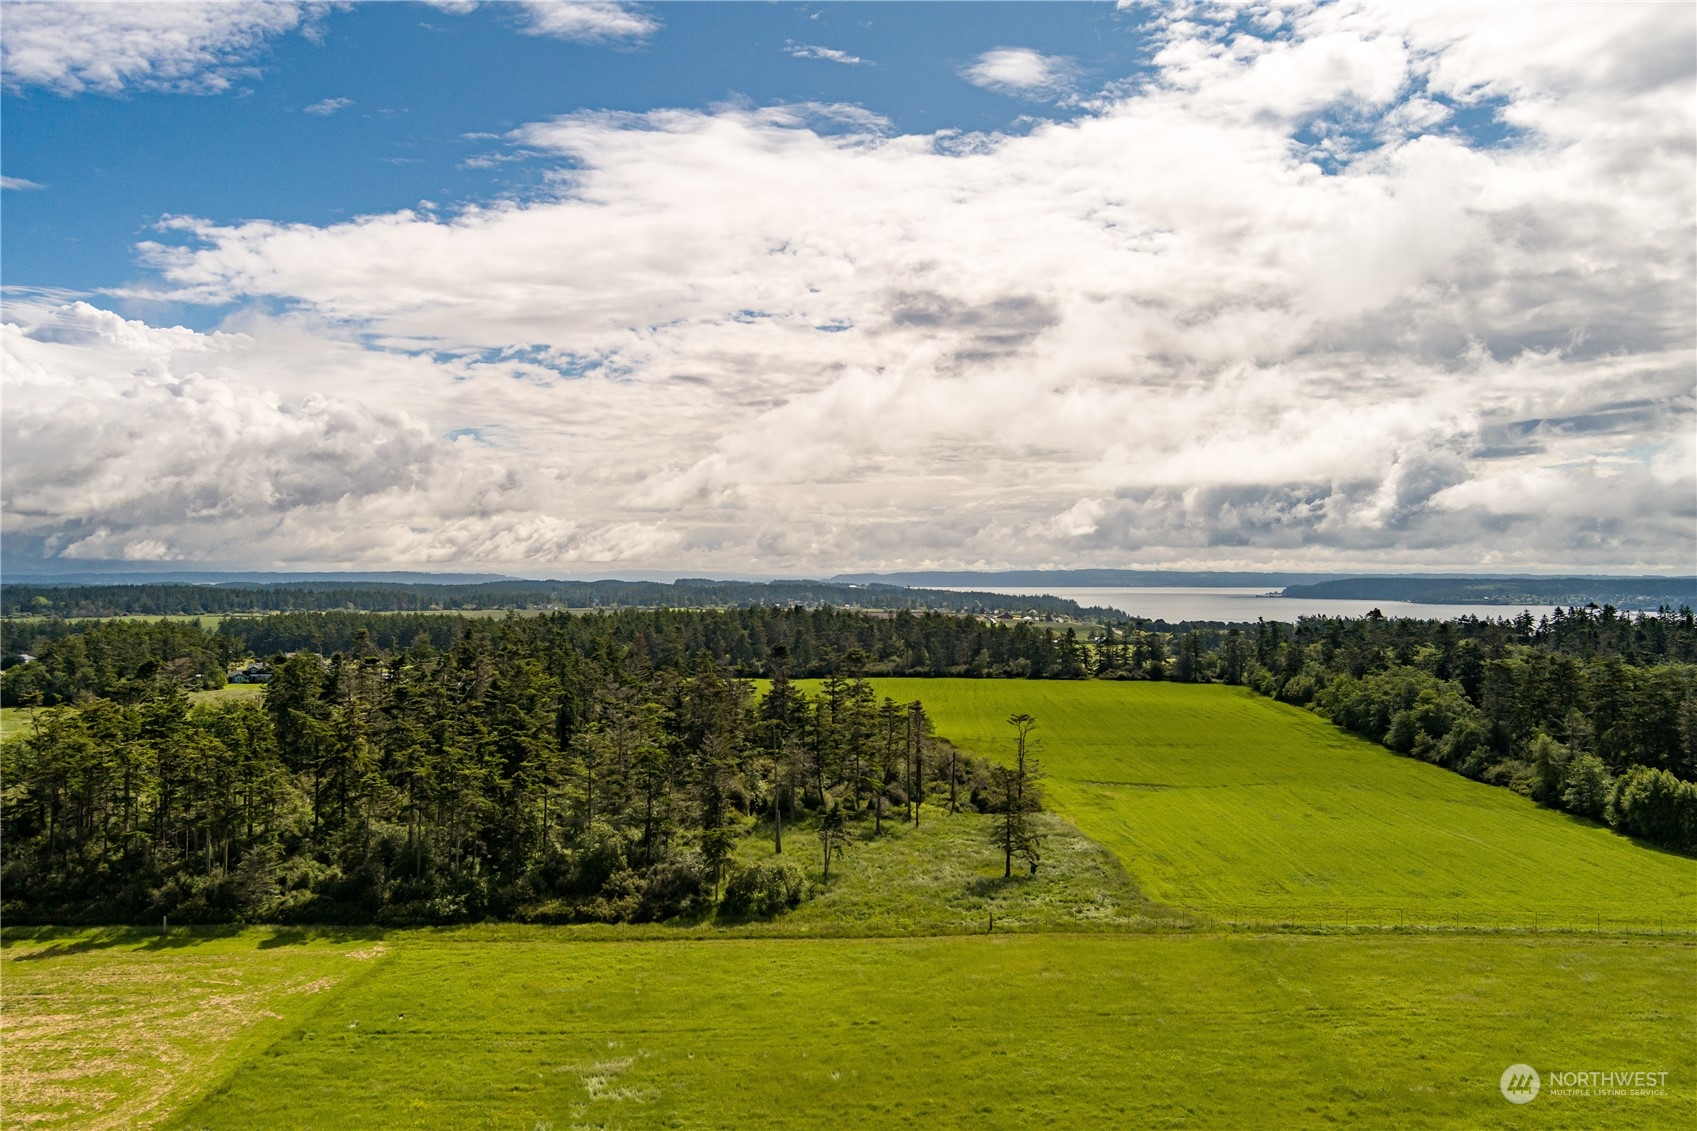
<point>507,1027</point>
<point>1234,806</point>
<point>1114,991</point>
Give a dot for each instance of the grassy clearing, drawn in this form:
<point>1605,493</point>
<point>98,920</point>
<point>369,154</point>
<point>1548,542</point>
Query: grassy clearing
<point>18,720</point>
<point>1235,806</point>
<point>457,1029</point>
<point>14,721</point>
<point>228,692</point>
<point>207,621</point>
<point>945,878</point>
<point>123,1028</point>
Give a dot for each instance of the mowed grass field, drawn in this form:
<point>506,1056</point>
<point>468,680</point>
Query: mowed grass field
<point>122,1028</point>
<point>1225,803</point>
<point>527,1027</point>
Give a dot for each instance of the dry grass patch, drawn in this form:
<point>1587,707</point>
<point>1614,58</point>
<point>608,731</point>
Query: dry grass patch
<point>120,1028</point>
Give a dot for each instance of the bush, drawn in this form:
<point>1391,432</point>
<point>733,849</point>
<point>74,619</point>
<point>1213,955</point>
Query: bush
<point>764,890</point>
<point>1655,805</point>
<point>677,885</point>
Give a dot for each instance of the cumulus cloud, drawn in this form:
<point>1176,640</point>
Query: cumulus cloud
<point>325,107</point>
<point>241,446</point>
<point>830,54</point>
<point>587,21</point>
<point>1270,305</point>
<point>1021,71</point>
<point>195,48</point>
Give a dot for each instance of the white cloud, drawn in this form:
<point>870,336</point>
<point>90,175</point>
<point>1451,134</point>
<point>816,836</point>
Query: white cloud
<point>1021,71</point>
<point>830,54</point>
<point>587,21</point>
<point>276,445</point>
<point>324,107</point>
<point>196,48</point>
<point>1269,307</point>
<point>19,184</point>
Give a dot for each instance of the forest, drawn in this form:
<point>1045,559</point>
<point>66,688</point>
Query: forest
<point>600,766</point>
<point>508,774</point>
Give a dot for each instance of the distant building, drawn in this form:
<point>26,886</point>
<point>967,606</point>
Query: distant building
<point>255,672</point>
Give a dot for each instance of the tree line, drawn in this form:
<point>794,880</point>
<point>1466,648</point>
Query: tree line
<point>1586,711</point>
<point>467,771</point>
<point>507,775</point>
<point>178,599</point>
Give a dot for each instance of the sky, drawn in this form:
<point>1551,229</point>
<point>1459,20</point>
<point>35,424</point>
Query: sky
<point>780,289</point>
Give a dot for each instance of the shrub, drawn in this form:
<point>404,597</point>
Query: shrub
<point>1655,805</point>
<point>676,885</point>
<point>761,891</point>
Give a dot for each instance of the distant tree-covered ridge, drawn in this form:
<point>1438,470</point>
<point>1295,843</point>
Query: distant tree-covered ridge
<point>176,599</point>
<point>1621,592</point>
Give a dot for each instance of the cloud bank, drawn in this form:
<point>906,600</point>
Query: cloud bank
<point>1361,286</point>
<point>69,48</point>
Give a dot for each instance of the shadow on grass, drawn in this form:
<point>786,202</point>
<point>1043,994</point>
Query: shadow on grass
<point>988,887</point>
<point>83,940</point>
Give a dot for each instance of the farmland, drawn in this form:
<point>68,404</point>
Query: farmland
<point>523,1027</point>
<point>1229,804</point>
<point>1140,978</point>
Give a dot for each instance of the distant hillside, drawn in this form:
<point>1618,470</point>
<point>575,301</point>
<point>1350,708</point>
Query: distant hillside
<point>1087,578</point>
<point>353,593</point>
<point>1621,592</point>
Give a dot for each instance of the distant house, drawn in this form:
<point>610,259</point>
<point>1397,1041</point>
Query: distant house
<point>255,672</point>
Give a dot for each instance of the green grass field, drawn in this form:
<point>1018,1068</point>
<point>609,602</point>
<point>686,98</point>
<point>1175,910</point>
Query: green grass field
<point>526,1027</point>
<point>14,720</point>
<point>1232,805</point>
<point>1111,993</point>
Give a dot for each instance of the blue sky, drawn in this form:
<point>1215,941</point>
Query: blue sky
<point>761,288</point>
<point>425,88</point>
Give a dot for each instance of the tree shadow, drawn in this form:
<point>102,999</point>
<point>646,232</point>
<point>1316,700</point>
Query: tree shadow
<point>85,940</point>
<point>986,887</point>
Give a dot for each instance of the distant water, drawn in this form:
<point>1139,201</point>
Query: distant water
<point>1176,604</point>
